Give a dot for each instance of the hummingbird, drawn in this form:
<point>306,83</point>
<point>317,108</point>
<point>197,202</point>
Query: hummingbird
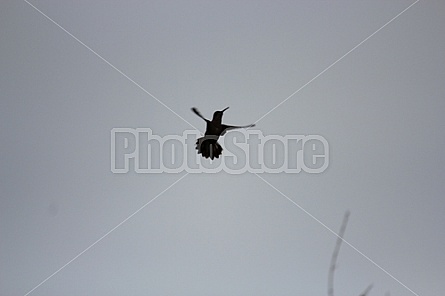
<point>208,145</point>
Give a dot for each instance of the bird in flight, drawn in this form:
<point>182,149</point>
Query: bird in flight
<point>208,145</point>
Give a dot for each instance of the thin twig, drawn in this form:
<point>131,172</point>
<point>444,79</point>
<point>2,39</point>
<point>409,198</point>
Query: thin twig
<point>335,255</point>
<point>364,293</point>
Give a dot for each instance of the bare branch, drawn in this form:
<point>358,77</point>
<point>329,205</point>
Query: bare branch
<point>364,293</point>
<point>335,254</point>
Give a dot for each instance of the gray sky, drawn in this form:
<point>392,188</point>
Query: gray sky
<point>380,108</point>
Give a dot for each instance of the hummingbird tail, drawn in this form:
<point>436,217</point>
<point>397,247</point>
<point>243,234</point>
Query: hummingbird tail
<point>208,147</point>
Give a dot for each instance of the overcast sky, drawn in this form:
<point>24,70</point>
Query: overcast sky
<point>380,108</point>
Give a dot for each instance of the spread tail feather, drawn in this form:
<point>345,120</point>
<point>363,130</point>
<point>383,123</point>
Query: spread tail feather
<point>209,147</point>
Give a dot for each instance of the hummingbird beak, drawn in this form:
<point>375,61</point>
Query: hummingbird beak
<point>225,109</point>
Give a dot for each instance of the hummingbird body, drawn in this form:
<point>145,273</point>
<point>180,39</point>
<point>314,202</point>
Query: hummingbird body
<point>208,145</point>
<point>215,126</point>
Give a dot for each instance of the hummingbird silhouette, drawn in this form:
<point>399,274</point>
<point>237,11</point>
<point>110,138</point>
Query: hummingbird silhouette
<point>208,145</point>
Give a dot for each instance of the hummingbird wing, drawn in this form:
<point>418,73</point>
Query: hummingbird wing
<point>226,128</point>
<point>199,114</point>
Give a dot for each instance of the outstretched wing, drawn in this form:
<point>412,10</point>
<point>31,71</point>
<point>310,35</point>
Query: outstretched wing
<point>226,128</point>
<point>199,114</point>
